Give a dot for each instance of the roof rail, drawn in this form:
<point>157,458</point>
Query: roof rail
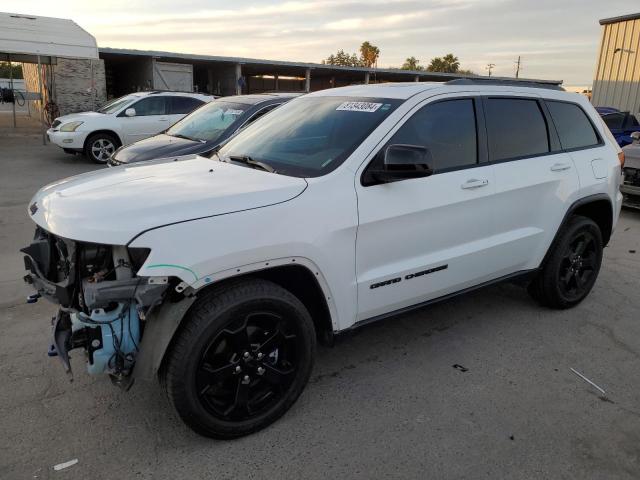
<point>506,82</point>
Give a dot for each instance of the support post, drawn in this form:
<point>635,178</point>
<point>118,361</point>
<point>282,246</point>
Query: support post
<point>238,76</point>
<point>307,80</point>
<point>275,82</point>
<point>12,91</point>
<point>44,135</point>
<point>366,78</point>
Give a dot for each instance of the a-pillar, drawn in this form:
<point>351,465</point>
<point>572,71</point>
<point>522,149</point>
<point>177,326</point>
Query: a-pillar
<point>307,80</point>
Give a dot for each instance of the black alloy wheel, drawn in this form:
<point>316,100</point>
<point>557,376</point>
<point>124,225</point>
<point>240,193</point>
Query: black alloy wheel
<point>570,271</point>
<point>578,265</point>
<point>242,356</point>
<point>248,366</point>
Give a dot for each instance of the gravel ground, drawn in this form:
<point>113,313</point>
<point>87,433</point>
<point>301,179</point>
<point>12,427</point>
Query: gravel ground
<point>385,402</point>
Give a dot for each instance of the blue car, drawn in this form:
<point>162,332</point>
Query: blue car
<point>621,124</point>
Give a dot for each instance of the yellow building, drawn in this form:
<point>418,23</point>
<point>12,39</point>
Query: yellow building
<point>617,78</point>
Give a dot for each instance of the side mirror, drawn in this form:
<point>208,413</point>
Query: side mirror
<point>130,112</point>
<point>636,137</point>
<point>403,162</point>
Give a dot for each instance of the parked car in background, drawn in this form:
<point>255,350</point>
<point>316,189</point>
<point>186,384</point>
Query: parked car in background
<point>203,130</point>
<point>630,187</point>
<point>122,121</point>
<point>621,124</point>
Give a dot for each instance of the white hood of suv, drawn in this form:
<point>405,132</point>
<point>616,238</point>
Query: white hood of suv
<point>113,205</point>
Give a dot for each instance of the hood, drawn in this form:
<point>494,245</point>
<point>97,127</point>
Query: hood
<point>113,205</point>
<point>78,117</point>
<point>160,146</point>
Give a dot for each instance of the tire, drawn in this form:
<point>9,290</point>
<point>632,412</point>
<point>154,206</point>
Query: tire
<point>100,146</point>
<point>571,269</point>
<point>212,373</point>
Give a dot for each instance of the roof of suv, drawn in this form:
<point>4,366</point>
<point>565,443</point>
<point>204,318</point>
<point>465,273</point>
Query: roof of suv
<point>404,90</point>
<point>169,92</point>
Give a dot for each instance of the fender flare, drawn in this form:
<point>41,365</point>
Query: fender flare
<point>570,211</point>
<point>162,324</point>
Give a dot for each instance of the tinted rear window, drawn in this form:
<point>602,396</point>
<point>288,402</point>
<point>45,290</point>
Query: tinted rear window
<point>515,128</point>
<point>573,125</point>
<point>180,105</point>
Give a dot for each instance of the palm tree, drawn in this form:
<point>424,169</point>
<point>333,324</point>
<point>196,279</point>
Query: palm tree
<point>411,63</point>
<point>369,54</point>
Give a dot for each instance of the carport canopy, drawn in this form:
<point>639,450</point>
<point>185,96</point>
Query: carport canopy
<point>36,39</point>
<point>24,37</point>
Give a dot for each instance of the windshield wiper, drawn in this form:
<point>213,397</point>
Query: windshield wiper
<point>247,160</point>
<point>193,139</point>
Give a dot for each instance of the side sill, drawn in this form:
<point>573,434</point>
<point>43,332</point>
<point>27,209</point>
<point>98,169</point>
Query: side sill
<point>521,276</point>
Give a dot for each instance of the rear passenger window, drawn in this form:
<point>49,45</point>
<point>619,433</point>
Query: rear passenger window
<point>180,105</point>
<point>573,125</point>
<point>447,129</point>
<point>515,128</point>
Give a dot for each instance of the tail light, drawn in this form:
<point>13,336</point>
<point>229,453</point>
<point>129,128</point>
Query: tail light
<point>621,159</point>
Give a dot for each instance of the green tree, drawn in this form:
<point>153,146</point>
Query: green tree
<point>447,64</point>
<point>343,59</point>
<point>369,55</point>
<point>4,70</point>
<point>412,63</point>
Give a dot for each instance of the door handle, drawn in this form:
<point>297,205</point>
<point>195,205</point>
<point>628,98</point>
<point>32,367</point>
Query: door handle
<point>559,167</point>
<point>163,119</point>
<point>475,183</point>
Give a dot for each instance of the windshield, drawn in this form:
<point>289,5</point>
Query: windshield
<point>309,136</point>
<point>210,121</point>
<point>116,104</point>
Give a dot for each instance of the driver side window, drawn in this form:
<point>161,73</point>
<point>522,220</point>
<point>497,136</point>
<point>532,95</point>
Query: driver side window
<point>447,128</point>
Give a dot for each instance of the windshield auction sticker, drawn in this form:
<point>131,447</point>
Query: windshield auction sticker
<point>359,107</point>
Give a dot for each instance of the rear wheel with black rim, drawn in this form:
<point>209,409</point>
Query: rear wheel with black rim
<point>240,360</point>
<point>100,146</point>
<point>571,270</point>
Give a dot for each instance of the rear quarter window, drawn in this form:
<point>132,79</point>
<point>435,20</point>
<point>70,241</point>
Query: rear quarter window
<point>573,126</point>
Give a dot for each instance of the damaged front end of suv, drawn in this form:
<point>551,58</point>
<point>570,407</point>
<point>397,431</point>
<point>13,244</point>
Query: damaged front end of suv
<point>103,304</point>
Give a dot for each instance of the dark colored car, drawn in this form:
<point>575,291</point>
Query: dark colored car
<point>204,129</point>
<point>621,124</point>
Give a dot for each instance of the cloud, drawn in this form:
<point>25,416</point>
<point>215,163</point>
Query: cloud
<point>555,38</point>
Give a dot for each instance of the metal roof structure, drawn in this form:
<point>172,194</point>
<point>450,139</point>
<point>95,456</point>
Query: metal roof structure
<point>285,66</point>
<point>24,37</point>
<point>621,18</point>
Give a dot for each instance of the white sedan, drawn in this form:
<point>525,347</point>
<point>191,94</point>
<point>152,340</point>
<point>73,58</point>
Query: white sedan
<point>122,121</point>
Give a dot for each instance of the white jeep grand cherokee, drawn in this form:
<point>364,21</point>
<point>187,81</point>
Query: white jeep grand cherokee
<point>342,207</point>
<point>122,121</point>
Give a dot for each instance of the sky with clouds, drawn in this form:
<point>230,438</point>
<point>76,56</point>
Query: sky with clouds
<point>556,39</point>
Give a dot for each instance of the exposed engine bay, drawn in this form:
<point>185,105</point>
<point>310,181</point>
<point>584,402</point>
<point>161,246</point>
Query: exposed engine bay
<point>103,304</point>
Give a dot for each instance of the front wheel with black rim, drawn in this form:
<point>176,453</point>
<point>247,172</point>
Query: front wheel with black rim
<point>100,146</point>
<point>242,357</point>
<point>569,273</point>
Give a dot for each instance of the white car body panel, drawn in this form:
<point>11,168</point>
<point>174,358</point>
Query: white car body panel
<point>203,227</point>
<point>149,194</point>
